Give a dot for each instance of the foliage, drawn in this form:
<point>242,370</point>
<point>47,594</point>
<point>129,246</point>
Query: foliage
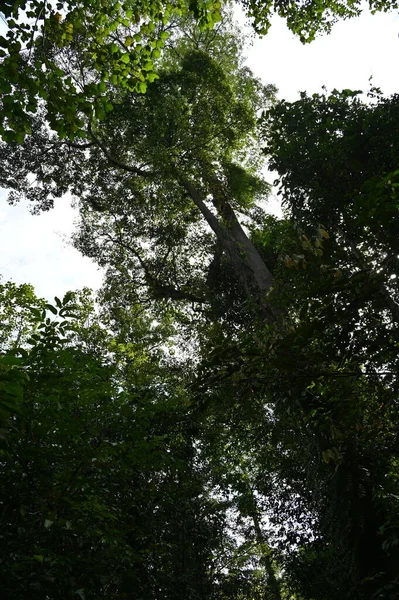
<point>100,492</point>
<point>17,313</point>
<point>117,43</point>
<point>307,18</point>
<point>348,156</point>
<point>223,422</point>
<point>65,57</point>
<point>336,158</point>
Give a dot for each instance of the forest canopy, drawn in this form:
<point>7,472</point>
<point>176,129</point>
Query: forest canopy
<point>220,420</point>
<point>65,56</point>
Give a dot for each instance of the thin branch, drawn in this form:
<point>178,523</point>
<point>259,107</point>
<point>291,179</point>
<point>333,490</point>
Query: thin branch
<point>117,39</point>
<point>115,161</point>
<point>393,306</point>
<point>153,283</point>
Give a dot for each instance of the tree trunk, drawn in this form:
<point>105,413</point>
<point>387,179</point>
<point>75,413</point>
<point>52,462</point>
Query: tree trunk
<point>261,274</point>
<point>250,268</point>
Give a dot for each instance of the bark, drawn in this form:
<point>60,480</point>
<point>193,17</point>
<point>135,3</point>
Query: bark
<point>246,260</point>
<point>261,274</point>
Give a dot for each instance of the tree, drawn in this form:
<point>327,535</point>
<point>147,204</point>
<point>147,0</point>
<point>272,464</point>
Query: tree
<point>111,42</point>
<point>337,161</point>
<point>101,493</point>
<point>347,181</point>
<point>187,164</point>
<point>323,391</point>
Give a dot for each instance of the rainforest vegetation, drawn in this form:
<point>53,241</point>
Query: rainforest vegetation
<point>220,420</point>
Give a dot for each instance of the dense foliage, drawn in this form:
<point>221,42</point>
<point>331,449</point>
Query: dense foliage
<point>114,43</point>
<point>221,420</point>
<point>110,41</point>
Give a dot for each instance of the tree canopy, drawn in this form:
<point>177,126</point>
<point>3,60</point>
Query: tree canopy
<point>220,420</point>
<point>63,56</point>
<point>307,18</point>
<point>110,42</point>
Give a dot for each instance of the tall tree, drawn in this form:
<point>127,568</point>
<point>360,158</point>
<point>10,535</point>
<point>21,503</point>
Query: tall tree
<point>110,41</point>
<point>165,173</point>
<point>294,387</point>
<point>337,160</point>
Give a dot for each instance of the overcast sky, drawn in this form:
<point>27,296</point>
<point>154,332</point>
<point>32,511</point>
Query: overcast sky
<point>355,50</point>
<point>35,249</point>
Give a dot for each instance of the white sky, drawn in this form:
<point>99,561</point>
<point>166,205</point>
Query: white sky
<point>355,50</point>
<point>34,249</point>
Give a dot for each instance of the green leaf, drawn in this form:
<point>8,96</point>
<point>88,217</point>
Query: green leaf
<point>151,76</point>
<point>38,557</point>
<point>51,308</point>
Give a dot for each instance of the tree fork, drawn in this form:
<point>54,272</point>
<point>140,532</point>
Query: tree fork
<point>261,273</point>
<point>249,265</point>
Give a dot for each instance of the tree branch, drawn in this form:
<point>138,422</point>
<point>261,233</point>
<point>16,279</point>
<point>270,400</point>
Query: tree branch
<point>391,303</point>
<point>159,289</point>
<point>115,161</point>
